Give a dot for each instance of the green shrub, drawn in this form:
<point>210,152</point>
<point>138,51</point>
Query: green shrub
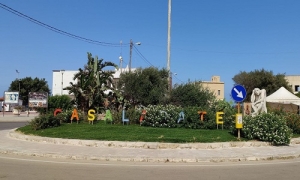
<point>65,116</point>
<point>63,102</point>
<point>167,116</point>
<point>293,122</point>
<point>267,127</point>
<point>161,116</point>
<point>132,114</point>
<point>229,113</point>
<point>192,119</point>
<point>44,121</point>
<point>117,116</point>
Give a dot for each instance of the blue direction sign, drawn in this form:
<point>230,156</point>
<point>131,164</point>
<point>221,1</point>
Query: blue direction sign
<point>238,93</point>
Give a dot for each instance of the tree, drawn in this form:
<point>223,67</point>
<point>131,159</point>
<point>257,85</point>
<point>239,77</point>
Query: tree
<point>145,86</point>
<point>191,94</point>
<point>27,85</point>
<point>298,94</point>
<point>59,101</point>
<point>93,81</point>
<point>261,79</point>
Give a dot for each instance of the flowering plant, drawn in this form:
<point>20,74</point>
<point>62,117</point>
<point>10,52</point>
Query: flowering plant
<point>267,127</point>
<point>161,116</point>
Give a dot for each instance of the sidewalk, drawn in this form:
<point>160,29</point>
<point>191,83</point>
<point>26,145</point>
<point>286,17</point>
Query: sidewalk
<point>23,117</point>
<point>12,142</point>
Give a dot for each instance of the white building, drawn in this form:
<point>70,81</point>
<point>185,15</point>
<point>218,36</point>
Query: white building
<point>62,79</point>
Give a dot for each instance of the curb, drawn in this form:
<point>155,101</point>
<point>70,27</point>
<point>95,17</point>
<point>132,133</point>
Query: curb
<point>145,145</point>
<point>151,159</point>
<point>160,147</point>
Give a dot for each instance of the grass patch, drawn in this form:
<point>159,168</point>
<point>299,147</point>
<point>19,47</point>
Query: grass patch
<point>296,135</point>
<point>108,132</point>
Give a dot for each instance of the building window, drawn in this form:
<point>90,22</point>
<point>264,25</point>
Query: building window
<point>297,89</point>
<point>219,92</point>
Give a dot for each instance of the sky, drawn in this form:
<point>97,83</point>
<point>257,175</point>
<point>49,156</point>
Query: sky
<point>208,37</point>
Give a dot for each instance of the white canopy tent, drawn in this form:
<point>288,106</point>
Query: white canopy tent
<point>284,98</point>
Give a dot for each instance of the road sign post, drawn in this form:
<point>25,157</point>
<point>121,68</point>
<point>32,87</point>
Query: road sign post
<point>238,94</point>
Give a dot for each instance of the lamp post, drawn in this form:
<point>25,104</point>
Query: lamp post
<point>131,45</point>
<point>62,81</point>
<point>18,79</point>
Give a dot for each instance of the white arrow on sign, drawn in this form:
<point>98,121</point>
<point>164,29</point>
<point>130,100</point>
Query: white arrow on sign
<point>239,93</point>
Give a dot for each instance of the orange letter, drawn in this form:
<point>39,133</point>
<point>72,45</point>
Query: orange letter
<point>57,111</point>
<point>202,113</point>
<point>74,115</point>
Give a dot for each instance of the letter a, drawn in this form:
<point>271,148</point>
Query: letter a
<point>74,115</point>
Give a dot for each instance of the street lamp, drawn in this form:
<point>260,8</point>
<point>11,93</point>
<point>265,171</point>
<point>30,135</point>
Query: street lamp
<point>131,45</point>
<point>121,62</point>
<point>62,81</point>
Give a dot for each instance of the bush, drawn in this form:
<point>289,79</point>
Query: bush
<point>192,119</point>
<point>59,101</point>
<point>292,119</point>
<point>229,113</point>
<point>293,122</point>
<point>117,116</point>
<point>132,114</point>
<point>161,116</point>
<point>167,116</point>
<point>267,127</point>
<point>65,116</point>
<point>44,121</point>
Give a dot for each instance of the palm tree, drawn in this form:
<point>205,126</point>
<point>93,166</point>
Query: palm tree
<point>92,83</point>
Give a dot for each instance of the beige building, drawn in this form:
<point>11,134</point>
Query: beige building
<point>294,82</point>
<point>216,86</point>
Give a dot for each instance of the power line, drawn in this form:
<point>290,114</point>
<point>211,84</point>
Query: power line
<point>141,55</point>
<point>13,11</point>
<point>177,78</point>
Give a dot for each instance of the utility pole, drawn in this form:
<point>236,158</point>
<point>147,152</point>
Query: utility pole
<point>169,46</point>
<point>131,46</point>
<point>18,79</point>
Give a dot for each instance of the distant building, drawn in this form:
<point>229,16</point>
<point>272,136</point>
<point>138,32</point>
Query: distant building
<point>62,79</point>
<point>117,74</point>
<point>215,86</point>
<point>294,82</point>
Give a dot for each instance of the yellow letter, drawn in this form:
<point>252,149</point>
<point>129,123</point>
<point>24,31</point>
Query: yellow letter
<point>91,115</point>
<point>219,118</point>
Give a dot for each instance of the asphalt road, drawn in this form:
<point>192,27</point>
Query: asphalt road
<point>13,166</point>
<point>28,168</point>
<point>11,125</point>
